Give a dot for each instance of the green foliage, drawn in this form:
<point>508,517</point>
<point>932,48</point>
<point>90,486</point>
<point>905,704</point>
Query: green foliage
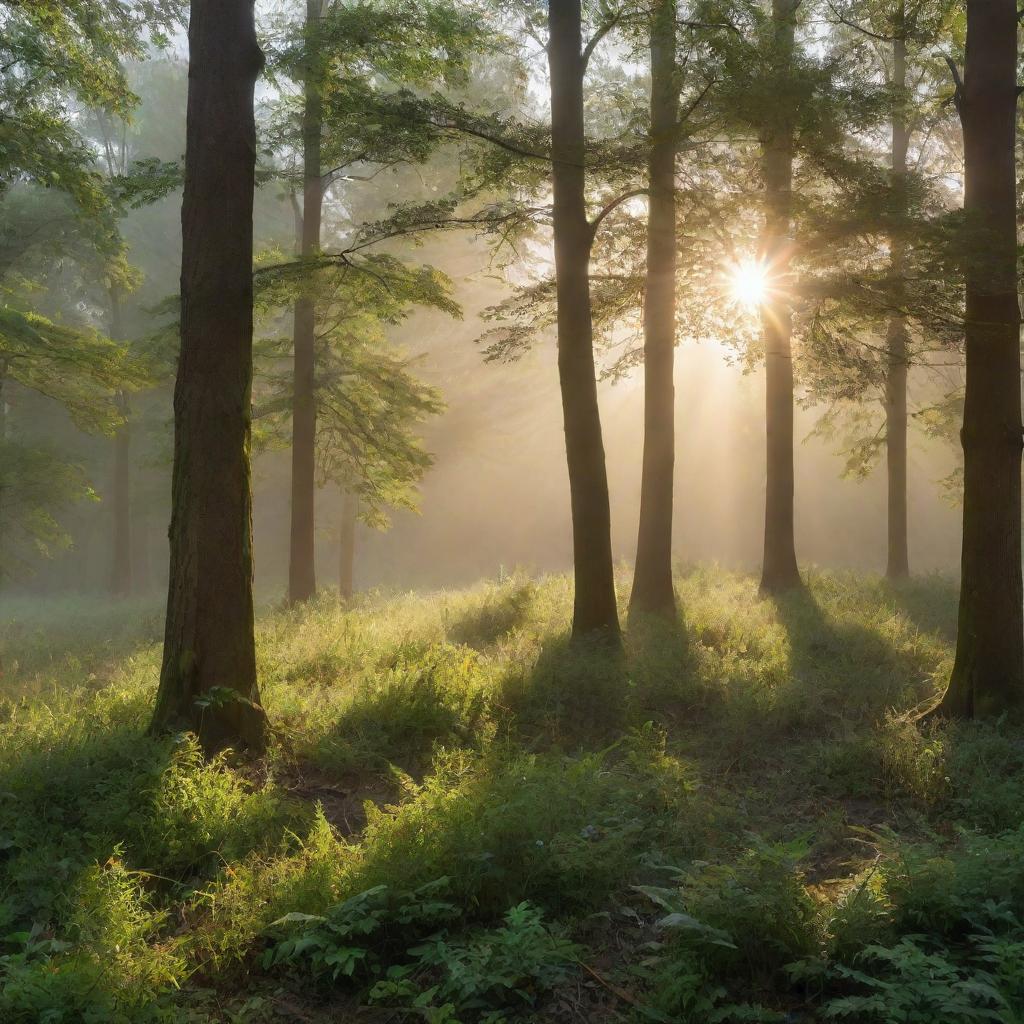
<point>907,983</point>
<point>370,405</point>
<point>559,831</point>
<point>350,937</point>
<point>933,933</point>
<point>75,366</point>
<point>50,49</point>
<point>492,975</point>
<point>371,935</point>
<point>135,878</point>
<point>427,697</point>
<point>364,60</point>
<point>35,485</point>
<point>729,926</point>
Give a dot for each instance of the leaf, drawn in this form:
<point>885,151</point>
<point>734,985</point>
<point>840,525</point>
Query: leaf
<point>668,899</point>
<point>294,917</point>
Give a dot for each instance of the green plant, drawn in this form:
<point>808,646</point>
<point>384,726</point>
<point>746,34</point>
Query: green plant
<point>352,937</point>
<point>485,974</point>
<point>909,984</point>
<point>563,832</point>
<point>753,914</point>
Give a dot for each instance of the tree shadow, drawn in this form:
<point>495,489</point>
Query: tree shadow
<point>843,672</point>
<point>502,610</point>
<point>398,719</point>
<point>662,657</point>
<point>930,602</point>
<point>575,695</point>
<point>110,794</point>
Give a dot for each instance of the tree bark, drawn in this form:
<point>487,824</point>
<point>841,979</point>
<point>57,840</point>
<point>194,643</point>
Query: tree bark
<point>594,609</point>
<point>779,568</point>
<point>652,581</point>
<point>347,545</point>
<point>302,561</point>
<point>208,678</point>
<point>898,562</point>
<point>988,672</point>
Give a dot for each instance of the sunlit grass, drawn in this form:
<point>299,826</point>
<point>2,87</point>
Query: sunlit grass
<point>459,735</point>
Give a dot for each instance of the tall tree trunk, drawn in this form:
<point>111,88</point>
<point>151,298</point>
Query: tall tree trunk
<point>594,610</point>
<point>652,580</point>
<point>898,563</point>
<point>347,545</point>
<point>988,672</point>
<point>779,569</point>
<point>121,504</point>
<point>208,678</point>
<point>302,561</point>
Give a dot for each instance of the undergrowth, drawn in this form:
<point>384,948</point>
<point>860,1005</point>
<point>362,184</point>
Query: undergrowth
<point>464,817</point>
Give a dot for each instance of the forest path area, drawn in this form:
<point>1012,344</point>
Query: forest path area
<point>465,817</point>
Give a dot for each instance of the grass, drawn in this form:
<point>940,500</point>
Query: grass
<point>463,817</point>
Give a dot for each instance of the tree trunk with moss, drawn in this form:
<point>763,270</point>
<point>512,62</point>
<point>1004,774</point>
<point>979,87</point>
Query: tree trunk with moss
<point>988,671</point>
<point>652,581</point>
<point>208,677</point>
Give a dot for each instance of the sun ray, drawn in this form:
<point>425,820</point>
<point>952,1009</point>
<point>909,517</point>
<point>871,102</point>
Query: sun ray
<point>749,282</point>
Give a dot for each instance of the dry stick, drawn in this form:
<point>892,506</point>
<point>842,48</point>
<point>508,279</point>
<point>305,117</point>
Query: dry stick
<point>614,989</point>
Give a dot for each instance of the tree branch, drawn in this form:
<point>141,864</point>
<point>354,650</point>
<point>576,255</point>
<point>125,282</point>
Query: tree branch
<point>609,207</point>
<point>599,34</point>
<point>958,83</point>
<point>859,28</point>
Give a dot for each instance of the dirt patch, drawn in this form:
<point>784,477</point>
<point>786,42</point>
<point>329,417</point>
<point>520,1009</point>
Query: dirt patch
<point>343,799</point>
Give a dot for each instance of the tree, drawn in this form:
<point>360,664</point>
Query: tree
<point>354,65</point>
<point>77,368</point>
<point>779,570</point>
<point>131,184</point>
<point>302,561</point>
<point>594,609</point>
<point>347,545</point>
<point>50,49</point>
<point>56,52</point>
<point>208,677</point>
<point>988,671</point>
<point>367,400</point>
<point>902,42</point>
<point>652,580</point>
<point>897,564</point>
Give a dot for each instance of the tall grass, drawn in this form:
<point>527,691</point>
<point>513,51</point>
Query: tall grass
<point>460,736</point>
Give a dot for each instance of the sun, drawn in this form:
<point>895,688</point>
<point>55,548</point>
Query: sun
<point>749,282</point>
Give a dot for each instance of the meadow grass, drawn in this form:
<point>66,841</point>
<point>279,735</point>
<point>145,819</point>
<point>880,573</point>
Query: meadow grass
<point>465,817</point>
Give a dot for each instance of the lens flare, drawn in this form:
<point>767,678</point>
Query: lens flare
<point>749,283</point>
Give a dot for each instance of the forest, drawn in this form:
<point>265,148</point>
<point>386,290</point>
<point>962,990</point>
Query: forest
<point>510,512</point>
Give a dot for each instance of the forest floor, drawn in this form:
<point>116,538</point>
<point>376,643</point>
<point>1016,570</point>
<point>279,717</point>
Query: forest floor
<point>465,818</point>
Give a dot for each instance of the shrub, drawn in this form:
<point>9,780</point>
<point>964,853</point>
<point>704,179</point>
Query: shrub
<point>563,832</point>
